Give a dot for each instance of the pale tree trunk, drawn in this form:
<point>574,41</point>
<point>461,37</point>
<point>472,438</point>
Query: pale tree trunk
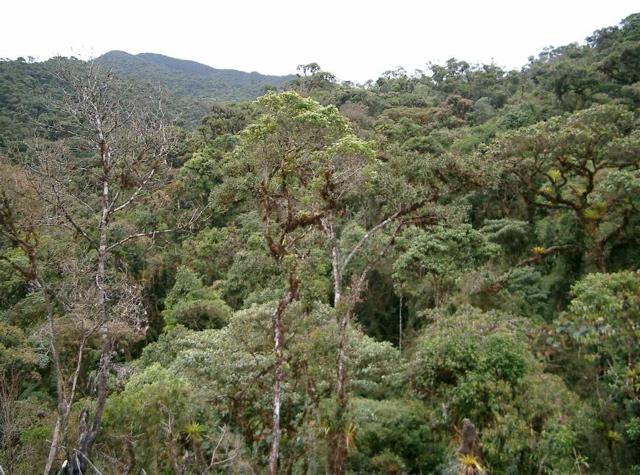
<point>338,437</point>
<point>277,393</point>
<point>338,443</point>
<point>113,129</point>
<point>64,400</point>
<point>278,335</point>
<point>345,307</point>
<point>336,270</point>
<point>400,325</point>
<point>87,432</point>
<point>58,429</point>
<point>55,442</point>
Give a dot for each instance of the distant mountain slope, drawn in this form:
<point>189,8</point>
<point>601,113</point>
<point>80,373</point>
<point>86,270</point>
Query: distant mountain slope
<point>189,78</point>
<point>29,91</point>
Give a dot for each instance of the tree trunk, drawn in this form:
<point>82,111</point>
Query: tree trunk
<point>55,443</point>
<point>469,448</point>
<point>469,445</point>
<point>63,405</point>
<point>400,326</point>
<point>346,307</point>
<point>338,443</point>
<point>88,432</point>
<point>278,337</point>
<point>338,440</point>
<point>336,271</point>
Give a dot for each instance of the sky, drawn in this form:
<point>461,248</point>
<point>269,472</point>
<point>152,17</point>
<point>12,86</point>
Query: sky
<point>354,39</point>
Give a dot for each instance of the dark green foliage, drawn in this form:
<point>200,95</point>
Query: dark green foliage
<point>604,319</point>
<point>193,305</point>
<point>503,288</point>
<point>190,79</point>
<point>435,258</point>
<point>28,95</point>
<point>393,432</point>
<point>480,366</point>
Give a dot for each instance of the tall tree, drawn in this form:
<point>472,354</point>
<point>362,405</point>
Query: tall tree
<point>98,183</point>
<point>567,164</point>
<point>312,176</point>
<point>282,164</point>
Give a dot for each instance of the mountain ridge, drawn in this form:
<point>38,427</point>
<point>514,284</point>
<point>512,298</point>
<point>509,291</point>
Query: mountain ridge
<point>189,78</point>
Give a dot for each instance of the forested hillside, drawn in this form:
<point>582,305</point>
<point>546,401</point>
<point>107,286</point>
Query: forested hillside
<point>30,91</point>
<point>431,273</point>
<point>190,79</point>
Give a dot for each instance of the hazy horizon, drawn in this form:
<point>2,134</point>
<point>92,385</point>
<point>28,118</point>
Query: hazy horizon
<point>356,41</point>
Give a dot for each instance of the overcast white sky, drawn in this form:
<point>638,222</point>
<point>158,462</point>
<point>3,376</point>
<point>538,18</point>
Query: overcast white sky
<point>355,39</point>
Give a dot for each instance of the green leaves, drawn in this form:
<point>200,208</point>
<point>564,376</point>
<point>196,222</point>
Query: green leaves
<point>604,320</point>
<point>567,166</point>
<point>16,354</point>
<point>393,433</point>
<point>441,255</point>
<point>445,251</point>
<point>193,305</point>
<point>145,418</point>
<point>470,341</point>
<point>607,306</point>
<point>479,365</point>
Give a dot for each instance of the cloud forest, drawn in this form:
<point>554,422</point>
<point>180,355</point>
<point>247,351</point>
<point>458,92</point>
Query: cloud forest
<point>208,271</point>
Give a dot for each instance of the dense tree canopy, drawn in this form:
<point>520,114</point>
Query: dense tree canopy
<point>428,273</point>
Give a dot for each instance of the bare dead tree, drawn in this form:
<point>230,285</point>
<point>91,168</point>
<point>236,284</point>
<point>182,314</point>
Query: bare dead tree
<point>112,163</point>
